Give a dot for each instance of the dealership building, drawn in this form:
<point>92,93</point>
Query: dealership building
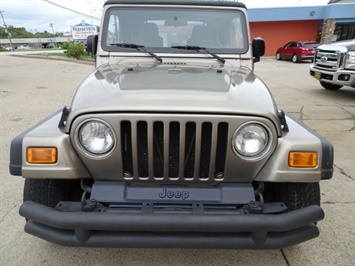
<point>278,26</point>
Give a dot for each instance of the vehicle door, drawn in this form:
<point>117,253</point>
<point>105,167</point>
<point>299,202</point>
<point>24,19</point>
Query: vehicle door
<point>290,49</point>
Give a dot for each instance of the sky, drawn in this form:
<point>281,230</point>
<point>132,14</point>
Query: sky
<point>38,15</point>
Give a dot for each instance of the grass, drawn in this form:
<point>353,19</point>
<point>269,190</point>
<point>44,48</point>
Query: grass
<point>63,55</point>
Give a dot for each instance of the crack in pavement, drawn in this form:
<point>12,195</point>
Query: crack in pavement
<point>331,119</point>
<point>347,111</point>
<point>14,207</point>
<point>301,113</point>
<point>285,257</point>
<point>337,202</point>
<point>343,172</point>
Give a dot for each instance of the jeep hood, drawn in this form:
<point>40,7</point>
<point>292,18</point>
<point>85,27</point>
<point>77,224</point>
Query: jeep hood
<point>173,88</point>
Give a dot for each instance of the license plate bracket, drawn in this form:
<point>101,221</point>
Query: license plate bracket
<point>317,75</point>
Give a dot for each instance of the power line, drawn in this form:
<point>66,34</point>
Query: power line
<point>16,16</point>
<point>72,10</point>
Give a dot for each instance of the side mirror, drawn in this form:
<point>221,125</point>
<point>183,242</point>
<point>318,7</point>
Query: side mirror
<point>91,44</point>
<point>258,47</point>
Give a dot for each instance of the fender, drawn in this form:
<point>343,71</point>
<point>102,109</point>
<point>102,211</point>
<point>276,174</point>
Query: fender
<point>46,134</point>
<point>299,138</point>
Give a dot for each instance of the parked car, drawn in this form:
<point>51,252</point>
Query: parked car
<point>23,47</point>
<point>297,51</point>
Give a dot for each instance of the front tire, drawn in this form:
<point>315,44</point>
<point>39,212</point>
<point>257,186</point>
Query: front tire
<point>329,86</point>
<point>295,195</point>
<point>278,56</point>
<point>49,192</point>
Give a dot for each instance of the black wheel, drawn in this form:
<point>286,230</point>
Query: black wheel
<point>295,58</point>
<point>278,56</point>
<point>329,86</point>
<point>49,191</point>
<point>297,195</point>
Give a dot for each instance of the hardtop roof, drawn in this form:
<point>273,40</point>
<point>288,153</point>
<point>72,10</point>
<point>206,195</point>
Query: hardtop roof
<point>178,2</point>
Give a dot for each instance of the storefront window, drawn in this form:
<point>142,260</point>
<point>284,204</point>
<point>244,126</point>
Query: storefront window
<point>344,32</point>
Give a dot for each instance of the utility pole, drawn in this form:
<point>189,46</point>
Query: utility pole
<point>91,11</point>
<point>51,25</point>
<point>39,40</point>
<point>7,31</point>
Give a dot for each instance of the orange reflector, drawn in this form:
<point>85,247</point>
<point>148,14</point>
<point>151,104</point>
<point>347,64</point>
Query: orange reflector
<point>303,159</point>
<point>43,155</point>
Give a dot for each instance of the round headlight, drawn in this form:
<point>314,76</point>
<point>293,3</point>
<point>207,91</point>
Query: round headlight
<point>96,137</point>
<point>251,140</point>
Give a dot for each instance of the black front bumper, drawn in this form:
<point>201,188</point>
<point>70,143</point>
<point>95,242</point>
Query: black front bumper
<point>171,230</point>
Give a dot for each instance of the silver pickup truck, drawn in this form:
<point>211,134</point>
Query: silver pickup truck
<point>172,141</point>
<point>334,65</point>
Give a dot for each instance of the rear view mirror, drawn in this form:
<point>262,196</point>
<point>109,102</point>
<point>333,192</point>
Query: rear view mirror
<point>258,47</point>
<point>91,44</point>
<point>176,22</point>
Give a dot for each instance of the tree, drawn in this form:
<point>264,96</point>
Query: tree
<point>20,33</point>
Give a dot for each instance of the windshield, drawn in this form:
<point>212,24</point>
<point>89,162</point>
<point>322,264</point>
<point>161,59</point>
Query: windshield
<point>161,28</point>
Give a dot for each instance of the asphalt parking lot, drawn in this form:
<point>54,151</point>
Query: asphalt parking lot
<point>31,89</point>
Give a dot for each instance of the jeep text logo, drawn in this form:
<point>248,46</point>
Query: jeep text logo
<point>173,194</point>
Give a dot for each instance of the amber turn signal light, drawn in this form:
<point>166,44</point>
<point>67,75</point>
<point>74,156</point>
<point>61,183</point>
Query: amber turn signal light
<point>303,159</point>
<point>42,155</point>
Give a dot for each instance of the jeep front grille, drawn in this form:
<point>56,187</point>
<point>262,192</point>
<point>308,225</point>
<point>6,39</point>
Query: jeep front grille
<point>174,150</point>
<point>328,60</point>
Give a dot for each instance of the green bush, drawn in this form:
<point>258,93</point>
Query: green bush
<point>65,45</point>
<point>76,50</point>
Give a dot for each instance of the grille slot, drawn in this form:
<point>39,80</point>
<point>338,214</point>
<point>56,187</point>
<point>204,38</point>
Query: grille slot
<point>328,60</point>
<point>174,150</point>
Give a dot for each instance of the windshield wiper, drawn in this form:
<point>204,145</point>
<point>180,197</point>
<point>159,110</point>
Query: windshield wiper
<point>198,48</point>
<point>139,48</point>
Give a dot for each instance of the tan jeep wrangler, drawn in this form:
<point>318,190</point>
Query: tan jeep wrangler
<point>172,141</point>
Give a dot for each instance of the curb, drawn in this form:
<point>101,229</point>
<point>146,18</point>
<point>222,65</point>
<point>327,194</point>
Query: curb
<point>55,58</point>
